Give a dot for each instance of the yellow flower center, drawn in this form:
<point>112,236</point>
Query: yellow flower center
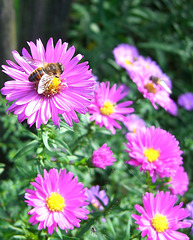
<point>128,62</point>
<point>151,154</point>
<point>150,88</point>
<point>54,87</point>
<point>159,223</point>
<point>107,109</point>
<point>55,202</point>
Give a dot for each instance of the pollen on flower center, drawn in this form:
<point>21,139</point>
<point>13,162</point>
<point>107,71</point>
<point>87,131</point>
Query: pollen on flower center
<point>95,203</point>
<point>159,223</point>
<point>128,62</point>
<point>107,109</point>
<point>54,87</point>
<point>55,202</point>
<point>151,154</point>
<point>150,88</point>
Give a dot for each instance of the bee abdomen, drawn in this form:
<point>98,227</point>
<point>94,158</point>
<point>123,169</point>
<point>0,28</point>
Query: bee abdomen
<point>36,75</point>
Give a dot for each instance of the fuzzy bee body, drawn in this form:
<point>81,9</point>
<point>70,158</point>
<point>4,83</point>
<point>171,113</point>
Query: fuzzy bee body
<point>52,69</point>
<point>36,75</point>
<point>161,82</point>
<point>44,74</point>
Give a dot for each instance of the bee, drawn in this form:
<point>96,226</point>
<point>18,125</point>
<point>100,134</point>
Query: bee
<point>161,82</point>
<point>44,73</point>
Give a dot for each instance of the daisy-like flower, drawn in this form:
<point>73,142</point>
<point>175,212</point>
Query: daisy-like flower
<point>94,192</point>
<point>154,150</point>
<point>134,122</point>
<point>59,199</point>
<point>186,101</point>
<point>151,82</point>
<point>125,55</point>
<point>68,93</point>
<point>179,182</point>
<point>104,108</point>
<point>102,157</point>
<point>160,219</point>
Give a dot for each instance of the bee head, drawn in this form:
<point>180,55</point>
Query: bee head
<point>61,67</point>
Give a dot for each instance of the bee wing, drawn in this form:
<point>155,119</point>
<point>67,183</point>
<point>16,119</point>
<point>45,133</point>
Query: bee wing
<point>44,83</point>
<point>165,86</point>
<point>33,62</point>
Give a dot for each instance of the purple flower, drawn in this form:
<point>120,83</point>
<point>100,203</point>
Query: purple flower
<point>189,207</point>
<point>105,109</point>
<point>94,192</point>
<point>58,200</point>
<point>102,157</point>
<point>66,94</point>
<point>159,218</point>
<point>186,101</point>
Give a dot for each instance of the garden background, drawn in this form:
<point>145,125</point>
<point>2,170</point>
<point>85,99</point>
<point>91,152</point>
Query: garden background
<point>160,29</point>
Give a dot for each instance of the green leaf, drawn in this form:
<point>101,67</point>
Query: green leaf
<point>59,233</point>
<point>86,228</point>
<point>63,145</point>
<point>128,229</point>
<point>110,225</point>
<point>25,149</point>
<point>2,166</point>
<point>45,139</point>
<point>66,126</point>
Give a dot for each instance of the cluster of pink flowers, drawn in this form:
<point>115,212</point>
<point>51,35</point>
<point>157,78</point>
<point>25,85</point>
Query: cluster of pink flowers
<point>148,76</point>
<point>59,199</point>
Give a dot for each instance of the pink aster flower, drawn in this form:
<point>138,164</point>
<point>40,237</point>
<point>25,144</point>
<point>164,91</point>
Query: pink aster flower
<point>134,122</point>
<point>102,157</point>
<point>104,108</point>
<point>186,101</point>
<point>179,182</point>
<point>125,55</point>
<point>151,82</point>
<point>160,219</point>
<point>94,192</point>
<point>154,150</point>
<point>57,200</point>
<point>67,93</point>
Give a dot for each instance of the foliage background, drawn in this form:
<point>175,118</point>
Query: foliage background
<point>159,29</point>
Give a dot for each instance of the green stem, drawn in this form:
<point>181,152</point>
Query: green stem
<point>81,138</point>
